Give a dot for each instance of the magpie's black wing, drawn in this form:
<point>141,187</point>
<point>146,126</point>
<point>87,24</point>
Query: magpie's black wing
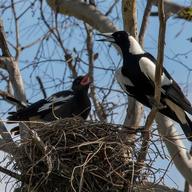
<point>171,90</point>
<point>25,113</point>
<point>43,107</point>
<point>57,100</point>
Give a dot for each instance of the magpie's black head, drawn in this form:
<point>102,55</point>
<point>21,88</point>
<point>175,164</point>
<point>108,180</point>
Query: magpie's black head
<point>126,42</point>
<point>118,37</point>
<point>81,83</point>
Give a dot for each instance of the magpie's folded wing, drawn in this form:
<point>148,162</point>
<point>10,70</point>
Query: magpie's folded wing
<point>148,67</point>
<point>57,100</point>
<point>174,93</point>
<point>169,88</point>
<point>43,106</point>
<point>25,113</point>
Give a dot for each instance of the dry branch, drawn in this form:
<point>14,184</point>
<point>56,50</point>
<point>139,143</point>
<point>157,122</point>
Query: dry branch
<point>12,67</point>
<point>180,155</point>
<point>99,109</point>
<point>171,7</point>
<point>85,12</point>
<point>144,22</point>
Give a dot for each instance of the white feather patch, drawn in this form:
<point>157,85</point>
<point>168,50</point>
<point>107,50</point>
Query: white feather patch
<point>148,68</point>
<point>135,47</point>
<point>177,110</point>
<point>122,80</point>
<point>52,100</point>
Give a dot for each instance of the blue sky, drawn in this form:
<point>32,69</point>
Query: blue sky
<point>177,47</point>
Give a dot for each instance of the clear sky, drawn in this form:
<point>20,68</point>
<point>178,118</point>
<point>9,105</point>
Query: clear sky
<point>177,50</point>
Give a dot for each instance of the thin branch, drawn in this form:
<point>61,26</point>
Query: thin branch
<point>4,133</point>
<point>3,42</point>
<point>6,143</point>
<point>145,22</point>
<point>170,7</point>
<point>98,106</point>
<point>44,36</point>
<point>16,30</point>
<point>11,174</point>
<point>42,88</point>
<point>12,67</point>
<point>11,99</point>
<point>56,34</point>
<point>111,8</point>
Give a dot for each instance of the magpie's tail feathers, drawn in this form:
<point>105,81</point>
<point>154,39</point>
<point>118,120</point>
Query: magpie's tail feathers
<point>12,112</point>
<point>187,128</point>
<point>15,130</point>
<point>13,117</point>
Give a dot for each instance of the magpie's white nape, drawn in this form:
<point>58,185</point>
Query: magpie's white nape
<point>137,78</point>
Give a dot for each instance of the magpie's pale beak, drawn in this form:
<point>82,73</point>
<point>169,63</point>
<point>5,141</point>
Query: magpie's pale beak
<point>108,37</point>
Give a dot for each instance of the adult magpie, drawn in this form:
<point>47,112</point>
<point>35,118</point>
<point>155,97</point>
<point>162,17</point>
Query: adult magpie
<point>68,103</point>
<point>137,76</point>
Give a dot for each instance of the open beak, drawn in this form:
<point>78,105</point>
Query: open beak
<point>86,80</point>
<point>108,37</point>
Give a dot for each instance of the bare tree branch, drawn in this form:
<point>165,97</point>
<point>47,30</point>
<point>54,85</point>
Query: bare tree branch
<point>98,107</point>
<point>16,31</point>
<point>181,157</point>
<point>144,22</point>
<point>85,12</point>
<point>41,86</point>
<point>6,143</point>
<point>10,173</point>
<point>12,67</point>
<point>171,7</point>
<point>11,99</point>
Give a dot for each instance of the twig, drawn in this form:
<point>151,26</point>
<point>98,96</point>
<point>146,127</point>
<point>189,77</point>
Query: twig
<point>145,21</point>
<point>111,8</point>
<point>11,99</point>
<point>170,7</point>
<point>12,67</point>
<point>16,30</point>
<point>6,143</point>
<point>11,174</point>
<point>98,106</point>
<point>56,34</point>
<point>42,88</point>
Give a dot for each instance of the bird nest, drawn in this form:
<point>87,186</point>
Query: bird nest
<point>76,155</point>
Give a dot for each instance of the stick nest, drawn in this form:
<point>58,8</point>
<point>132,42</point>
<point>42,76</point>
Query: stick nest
<point>76,155</point>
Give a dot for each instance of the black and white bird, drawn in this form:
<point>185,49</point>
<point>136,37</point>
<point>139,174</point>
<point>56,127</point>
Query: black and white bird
<point>137,76</point>
<point>68,103</point>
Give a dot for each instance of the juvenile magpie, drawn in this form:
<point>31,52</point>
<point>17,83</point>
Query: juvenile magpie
<point>68,103</point>
<point>137,76</point>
